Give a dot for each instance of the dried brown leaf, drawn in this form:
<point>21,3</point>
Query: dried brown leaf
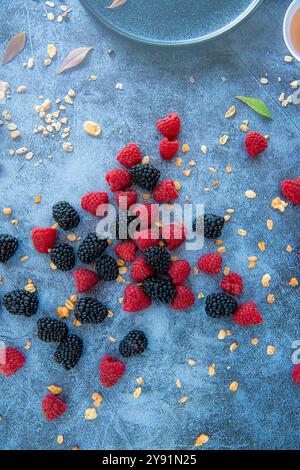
<point>75,58</point>
<point>116,4</point>
<point>14,47</point>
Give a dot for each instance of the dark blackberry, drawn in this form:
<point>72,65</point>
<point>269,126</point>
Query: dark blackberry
<point>107,268</point>
<point>135,342</point>
<point>89,310</point>
<point>145,176</point>
<point>65,215</point>
<point>69,351</point>
<point>220,305</point>
<point>91,248</point>
<point>21,302</point>
<point>8,246</point>
<point>212,225</point>
<point>120,229</point>
<point>159,289</point>
<point>62,255</point>
<point>51,329</point>
<point>159,258</point>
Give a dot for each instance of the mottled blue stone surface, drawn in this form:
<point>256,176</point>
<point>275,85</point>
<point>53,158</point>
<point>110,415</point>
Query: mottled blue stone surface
<point>264,412</point>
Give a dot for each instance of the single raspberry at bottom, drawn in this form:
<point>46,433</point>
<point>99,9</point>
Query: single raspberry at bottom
<point>111,371</point>
<point>255,143</point>
<point>53,406</point>
<point>247,314</point>
<point>233,284</point>
<point>184,298</point>
<point>291,190</point>
<point>11,360</point>
<point>210,263</point>
<point>296,374</point>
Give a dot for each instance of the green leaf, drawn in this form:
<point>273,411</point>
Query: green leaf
<point>257,105</point>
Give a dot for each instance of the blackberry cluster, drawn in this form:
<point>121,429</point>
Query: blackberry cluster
<point>69,351</point>
<point>135,342</point>
<point>51,330</point>
<point>89,310</point>
<point>65,215</point>
<point>220,305</point>
<point>212,225</point>
<point>20,302</point>
<point>121,227</point>
<point>107,268</point>
<point>91,248</point>
<point>62,255</point>
<point>159,258</point>
<point>145,176</point>
<point>8,246</point>
<point>159,289</point>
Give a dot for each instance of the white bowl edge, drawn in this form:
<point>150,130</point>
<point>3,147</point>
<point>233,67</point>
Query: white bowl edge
<point>294,6</point>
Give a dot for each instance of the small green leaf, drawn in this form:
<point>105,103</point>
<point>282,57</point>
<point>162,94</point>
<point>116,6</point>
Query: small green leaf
<point>257,105</point>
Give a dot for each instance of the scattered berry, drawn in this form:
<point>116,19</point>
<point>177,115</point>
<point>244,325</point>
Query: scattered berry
<point>65,215</point>
<point>21,302</point>
<point>174,235</point>
<point>91,201</point>
<point>126,250</point>
<point>135,342</point>
<point>168,148</point>
<point>146,238</point>
<point>135,299</point>
<point>69,351</point>
<point>89,310</point>
<point>8,246</point>
<point>184,298</point>
<point>62,255</point>
<point>107,268</point>
<point>165,191</point>
<point>179,271</point>
<point>147,213</point>
<point>11,360</point>
<point>212,225</point>
<point>220,305</point>
<point>291,190</point>
<point>255,143</point>
<point>130,156</point>
<point>158,258</point>
<point>169,126</point>
<point>296,374</point>
<point>211,263</point>
<point>145,176</point>
<point>159,289</point>
<point>43,239</point>
<point>247,314</point>
<point>125,199</point>
<point>53,406</point>
<point>85,279</point>
<point>232,284</point>
<point>125,226</point>
<point>118,179</point>
<point>111,371</point>
<point>51,330</point>
<point>91,248</point>
<point>140,270</point>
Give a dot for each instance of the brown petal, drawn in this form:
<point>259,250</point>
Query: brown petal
<point>14,47</point>
<point>116,4</point>
<point>75,58</point>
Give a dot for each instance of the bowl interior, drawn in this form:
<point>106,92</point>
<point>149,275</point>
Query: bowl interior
<point>291,11</point>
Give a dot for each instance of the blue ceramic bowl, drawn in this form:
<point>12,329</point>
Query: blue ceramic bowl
<point>172,22</point>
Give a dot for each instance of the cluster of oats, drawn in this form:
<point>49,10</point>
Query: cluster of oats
<point>15,134</point>
<point>60,15</point>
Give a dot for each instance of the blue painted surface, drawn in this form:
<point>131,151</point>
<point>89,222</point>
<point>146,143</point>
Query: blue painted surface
<point>264,412</point>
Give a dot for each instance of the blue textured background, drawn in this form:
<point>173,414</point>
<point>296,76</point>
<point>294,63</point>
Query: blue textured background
<point>264,412</point>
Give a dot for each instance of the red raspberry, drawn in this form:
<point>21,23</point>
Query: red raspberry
<point>135,299</point>
<point>91,201</point>
<point>184,298</point>
<point>165,191</point>
<point>169,126</point>
<point>168,148</point>
<point>291,190</point>
<point>179,271</point>
<point>43,239</point>
<point>130,156</point>
<point>146,238</point>
<point>111,370</point>
<point>174,235</point>
<point>255,143</point>
<point>233,284</point>
<point>147,213</point>
<point>125,199</point>
<point>296,374</point>
<point>126,250</point>
<point>85,279</point>
<point>210,263</point>
<point>247,314</point>
<point>141,270</point>
<point>53,406</point>
<point>11,360</point>
<point>118,179</point>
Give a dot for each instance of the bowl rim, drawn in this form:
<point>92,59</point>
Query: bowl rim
<point>293,7</point>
